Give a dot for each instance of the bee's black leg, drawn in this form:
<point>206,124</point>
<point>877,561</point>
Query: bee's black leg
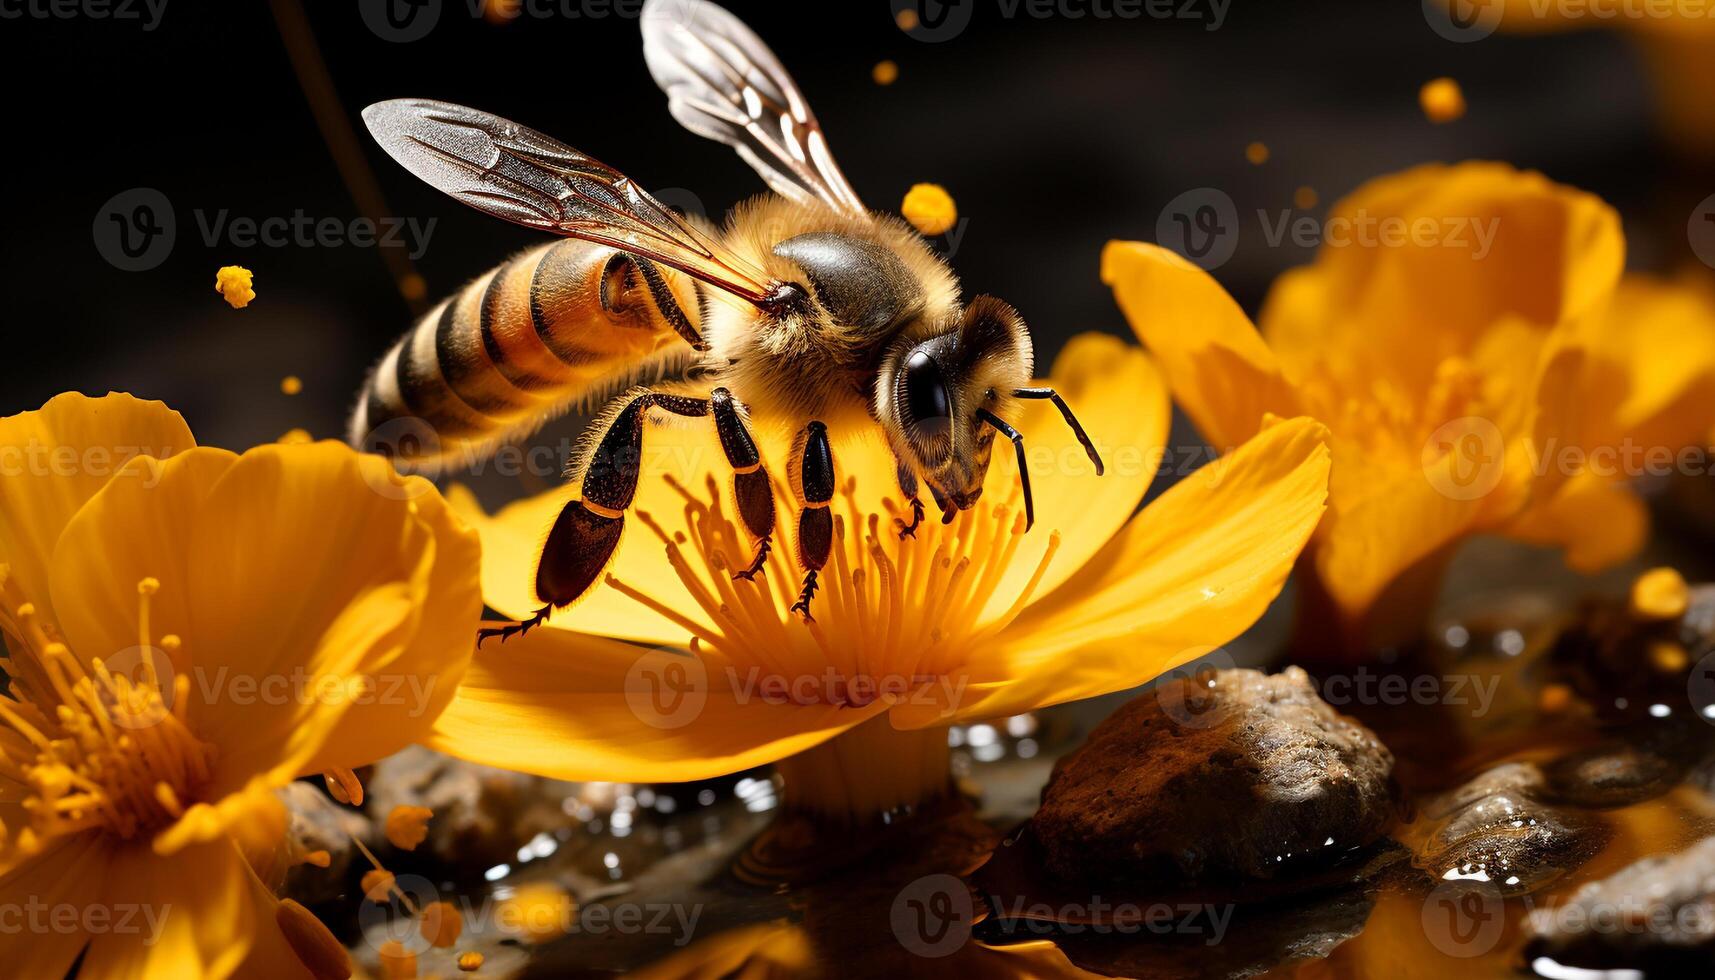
<point>586,534</point>
<point>813,485</point>
<point>752,492</point>
<point>908,487</point>
<point>515,629</point>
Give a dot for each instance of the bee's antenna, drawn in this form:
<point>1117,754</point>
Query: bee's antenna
<point>1071,420</point>
<point>1023,471</point>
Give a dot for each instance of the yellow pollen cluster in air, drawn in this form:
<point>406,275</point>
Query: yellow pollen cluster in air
<point>1442,100</point>
<point>237,284</point>
<point>930,209</point>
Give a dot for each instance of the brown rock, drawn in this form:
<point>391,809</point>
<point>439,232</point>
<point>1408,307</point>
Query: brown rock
<point>1656,915</point>
<point>1234,774</point>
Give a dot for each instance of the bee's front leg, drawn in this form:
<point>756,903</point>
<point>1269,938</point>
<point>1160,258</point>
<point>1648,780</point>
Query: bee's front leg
<point>908,487</point>
<point>813,484</point>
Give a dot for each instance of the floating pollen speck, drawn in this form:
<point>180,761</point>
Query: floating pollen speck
<point>885,72</point>
<point>1304,198</point>
<point>930,209</point>
<point>291,384</point>
<point>1257,153</point>
<point>538,911</point>
<point>412,286</point>
<point>397,962</point>
<point>906,19</point>
<point>1659,594</point>
<point>408,826</point>
<point>377,885</point>
<point>236,283</point>
<point>1442,100</point>
<point>441,924</point>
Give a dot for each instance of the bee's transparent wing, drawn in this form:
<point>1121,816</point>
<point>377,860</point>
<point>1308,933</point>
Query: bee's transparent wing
<point>516,173</point>
<point>722,82</point>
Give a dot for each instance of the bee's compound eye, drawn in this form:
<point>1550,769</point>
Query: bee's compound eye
<point>927,403</point>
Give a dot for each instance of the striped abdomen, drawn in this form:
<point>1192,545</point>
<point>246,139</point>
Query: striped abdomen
<point>545,330</point>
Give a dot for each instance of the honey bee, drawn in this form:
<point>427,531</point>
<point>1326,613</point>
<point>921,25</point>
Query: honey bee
<point>805,313</point>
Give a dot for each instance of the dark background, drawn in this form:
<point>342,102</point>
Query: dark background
<point>1053,134</point>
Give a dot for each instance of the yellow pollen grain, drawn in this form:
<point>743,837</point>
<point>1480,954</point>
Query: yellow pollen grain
<point>317,858</point>
<point>407,826</point>
<point>397,962</point>
<point>1554,699</point>
<point>377,884</point>
<point>1442,100</point>
<point>291,384</point>
<point>538,911</point>
<point>317,949</point>
<point>470,962</point>
<point>1304,198</point>
<point>885,72</point>
<point>906,19</point>
<point>1668,657</point>
<point>413,286</point>
<point>930,209</point>
<point>1659,594</point>
<point>236,284</point>
<point>441,924</point>
<point>1257,153</point>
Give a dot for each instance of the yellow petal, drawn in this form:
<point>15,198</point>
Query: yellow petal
<point>569,706</point>
<point>310,577</point>
<point>1383,520</point>
<point>1599,523</point>
<point>326,607</point>
<point>1442,252</point>
<point>54,459</point>
<point>1122,402</point>
<point>1190,572</point>
<point>1217,365</point>
<point>1649,373</point>
<point>136,526</point>
<point>69,873</point>
<point>197,915</point>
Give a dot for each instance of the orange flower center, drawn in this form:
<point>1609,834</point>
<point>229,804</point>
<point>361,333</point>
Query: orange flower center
<point>97,746</point>
<point>891,611</point>
<point>1386,419</point>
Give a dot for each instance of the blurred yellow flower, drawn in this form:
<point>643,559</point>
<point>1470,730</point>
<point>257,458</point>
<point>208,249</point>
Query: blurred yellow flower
<point>968,620</point>
<point>1677,38</point>
<point>1465,335</point>
<point>188,630</point>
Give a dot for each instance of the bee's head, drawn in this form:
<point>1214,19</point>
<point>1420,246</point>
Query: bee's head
<point>939,396</point>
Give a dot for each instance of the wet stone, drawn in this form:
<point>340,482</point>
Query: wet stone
<point>482,815</point>
<point>1611,774</point>
<point>1497,828</point>
<point>316,823</point>
<point>1657,915</point>
<point>1227,775</point>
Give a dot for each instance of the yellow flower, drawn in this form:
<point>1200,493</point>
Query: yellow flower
<point>1462,336</point>
<point>189,629</point>
<point>966,620</point>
